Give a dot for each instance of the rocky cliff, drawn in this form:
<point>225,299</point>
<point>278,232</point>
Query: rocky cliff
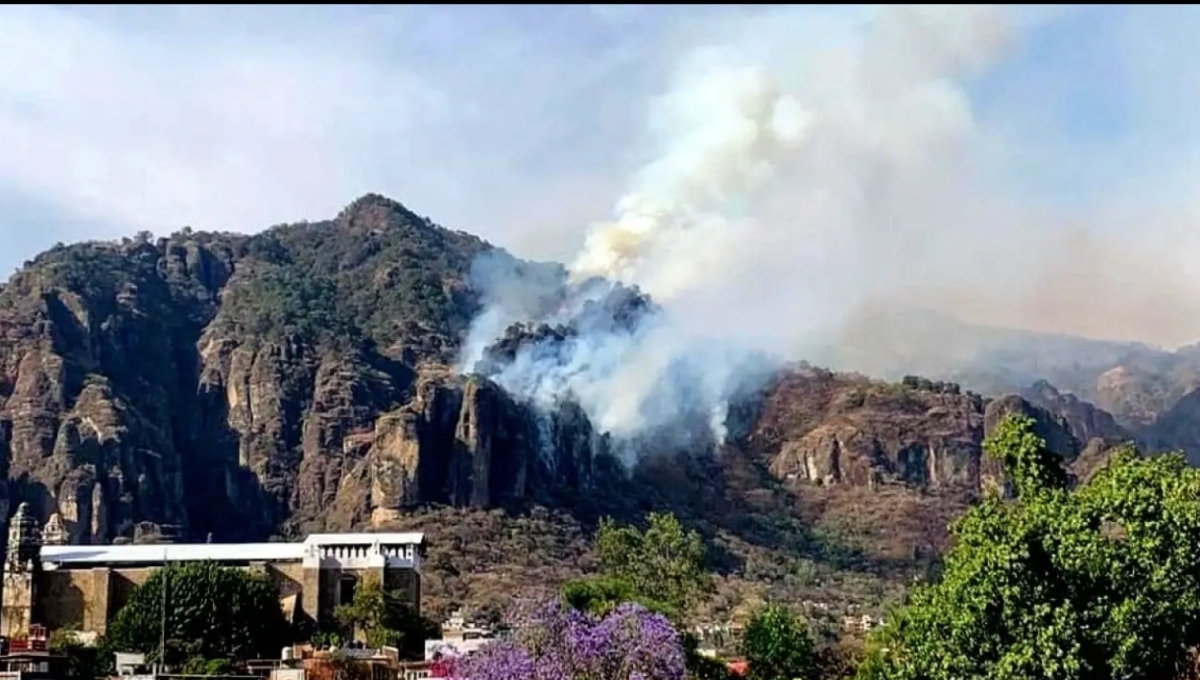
<point>1148,393</point>
<point>299,379</point>
<point>819,427</point>
<point>275,383</point>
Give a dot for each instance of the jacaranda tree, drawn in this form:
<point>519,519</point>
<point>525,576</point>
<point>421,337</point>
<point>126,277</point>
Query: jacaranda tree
<point>557,642</point>
<point>1097,583</point>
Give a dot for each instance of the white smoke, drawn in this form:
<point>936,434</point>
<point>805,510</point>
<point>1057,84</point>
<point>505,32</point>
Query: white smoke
<point>787,182</point>
<point>724,125</point>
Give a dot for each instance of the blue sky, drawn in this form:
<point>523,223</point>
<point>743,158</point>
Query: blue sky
<point>525,124</point>
<point>1099,92</point>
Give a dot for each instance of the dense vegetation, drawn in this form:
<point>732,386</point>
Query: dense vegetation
<point>211,612</point>
<point>280,302</point>
<point>555,642</point>
<point>392,289</point>
<point>777,645</point>
<point>399,277</point>
<point>1097,583</point>
<point>382,617</point>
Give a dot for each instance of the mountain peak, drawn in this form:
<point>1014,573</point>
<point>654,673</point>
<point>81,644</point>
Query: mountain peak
<point>375,212</point>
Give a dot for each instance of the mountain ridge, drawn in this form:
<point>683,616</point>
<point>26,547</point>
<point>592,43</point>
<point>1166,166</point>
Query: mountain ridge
<point>302,378</point>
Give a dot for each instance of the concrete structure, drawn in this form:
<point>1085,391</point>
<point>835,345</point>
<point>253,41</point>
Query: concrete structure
<point>459,638</point>
<point>84,586</point>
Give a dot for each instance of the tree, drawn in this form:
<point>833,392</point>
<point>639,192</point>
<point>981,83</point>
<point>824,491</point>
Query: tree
<point>212,612</point>
<point>1031,466</point>
<point>556,642</point>
<point>777,646</point>
<point>1101,582</point>
<point>838,660</point>
<point>663,564</point>
<point>601,594</point>
<point>83,662</point>
<point>384,617</point>
<point>661,569</point>
<point>198,665</point>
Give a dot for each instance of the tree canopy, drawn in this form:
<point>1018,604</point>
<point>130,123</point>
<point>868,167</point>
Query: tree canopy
<point>777,646</point>
<point>602,593</point>
<point>661,567</point>
<point>384,617</point>
<point>1100,582</point>
<point>554,642</point>
<point>212,612</point>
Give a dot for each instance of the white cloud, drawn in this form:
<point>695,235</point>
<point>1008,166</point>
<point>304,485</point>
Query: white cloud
<point>130,121</point>
<point>526,124</point>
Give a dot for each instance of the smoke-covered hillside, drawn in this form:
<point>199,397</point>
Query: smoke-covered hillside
<point>359,372</point>
<point>794,201</point>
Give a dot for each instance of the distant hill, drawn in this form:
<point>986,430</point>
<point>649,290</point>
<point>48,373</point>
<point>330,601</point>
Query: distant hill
<point>1149,391</point>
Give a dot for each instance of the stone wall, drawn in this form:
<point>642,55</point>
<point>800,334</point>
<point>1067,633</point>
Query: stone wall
<point>86,599</point>
<point>18,604</point>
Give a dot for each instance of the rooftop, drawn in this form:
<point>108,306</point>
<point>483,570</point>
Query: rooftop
<point>157,553</point>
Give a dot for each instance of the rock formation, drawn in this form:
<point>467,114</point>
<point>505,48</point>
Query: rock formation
<point>247,386</point>
<point>819,427</point>
<point>295,380</point>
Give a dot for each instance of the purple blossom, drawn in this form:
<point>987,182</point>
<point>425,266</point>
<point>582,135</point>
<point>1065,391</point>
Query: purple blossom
<point>555,642</point>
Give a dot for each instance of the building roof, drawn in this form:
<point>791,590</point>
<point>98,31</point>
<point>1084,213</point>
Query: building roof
<point>157,553</point>
<point>366,537</point>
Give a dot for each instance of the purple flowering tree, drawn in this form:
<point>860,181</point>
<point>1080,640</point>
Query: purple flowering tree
<point>555,642</point>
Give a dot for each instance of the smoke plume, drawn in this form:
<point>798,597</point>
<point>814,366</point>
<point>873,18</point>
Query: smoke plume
<point>793,190</point>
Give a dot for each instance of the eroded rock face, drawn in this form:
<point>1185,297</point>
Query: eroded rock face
<point>1084,420</point>
<point>97,450</point>
<point>309,442</point>
<point>465,442</point>
<point>1178,429</point>
<point>5,454</point>
<point>261,435</point>
<point>297,380</point>
<point>819,427</point>
<point>193,383</point>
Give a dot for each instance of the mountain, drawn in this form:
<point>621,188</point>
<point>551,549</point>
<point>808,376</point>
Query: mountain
<point>300,379</point>
<point>1150,392</point>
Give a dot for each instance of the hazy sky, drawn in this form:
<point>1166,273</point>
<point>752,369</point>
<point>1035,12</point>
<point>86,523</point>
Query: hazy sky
<point>524,124</point>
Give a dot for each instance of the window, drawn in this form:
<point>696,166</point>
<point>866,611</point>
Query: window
<point>346,588</point>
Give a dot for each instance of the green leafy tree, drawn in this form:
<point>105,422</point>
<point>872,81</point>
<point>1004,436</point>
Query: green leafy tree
<point>601,594</point>
<point>1031,466</point>
<point>1101,583</point>
<point>212,612</point>
<point>662,568</point>
<point>83,662</point>
<point>327,638</point>
<point>384,617</point>
<point>664,563</point>
<point>198,665</point>
<point>838,660</point>
<point>777,646</point>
